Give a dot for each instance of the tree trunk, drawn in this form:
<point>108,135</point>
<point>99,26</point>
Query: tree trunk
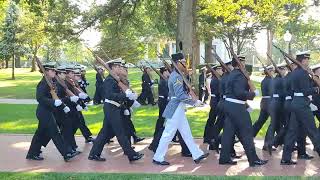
<point>269,45</point>
<point>184,27</point>
<point>208,51</point>
<point>33,62</point>
<point>179,21</point>
<point>13,66</point>
<point>18,62</point>
<point>7,63</point>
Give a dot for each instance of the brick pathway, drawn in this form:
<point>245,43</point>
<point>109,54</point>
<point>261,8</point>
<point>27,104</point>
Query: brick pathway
<point>14,148</point>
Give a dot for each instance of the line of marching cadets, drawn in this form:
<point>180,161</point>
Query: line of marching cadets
<point>286,98</point>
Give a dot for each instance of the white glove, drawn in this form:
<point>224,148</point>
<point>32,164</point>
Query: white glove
<point>256,92</point>
<point>152,81</point>
<point>131,95</point>
<point>126,112</point>
<point>136,104</point>
<point>249,109</point>
<point>203,88</point>
<point>198,103</point>
<point>313,107</point>
<point>79,108</point>
<point>57,102</point>
<point>66,109</point>
<point>74,98</point>
<point>83,95</point>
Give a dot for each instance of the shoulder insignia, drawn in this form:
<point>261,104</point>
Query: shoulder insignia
<point>178,82</point>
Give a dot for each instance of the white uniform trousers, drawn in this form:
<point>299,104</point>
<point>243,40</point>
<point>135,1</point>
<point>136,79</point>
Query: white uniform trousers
<point>177,122</point>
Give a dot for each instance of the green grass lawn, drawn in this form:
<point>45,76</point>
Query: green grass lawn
<point>24,86</point>
<point>21,119</point>
<point>113,176</point>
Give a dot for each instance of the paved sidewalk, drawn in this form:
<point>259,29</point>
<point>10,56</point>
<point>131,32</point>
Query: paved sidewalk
<point>18,101</point>
<point>14,149</point>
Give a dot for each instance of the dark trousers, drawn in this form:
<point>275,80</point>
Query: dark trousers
<point>203,94</point>
<point>85,131</point>
<point>162,103</point>
<point>208,134</point>
<point>112,125</point>
<point>279,138</point>
<point>301,119</point>
<point>129,127</point>
<point>146,94</point>
<point>65,126</point>
<point>97,98</point>
<point>263,116</point>
<point>277,119</point>
<point>47,127</point>
<point>237,122</point>
<point>218,126</point>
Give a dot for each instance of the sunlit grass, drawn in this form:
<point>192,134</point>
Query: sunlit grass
<point>24,86</point>
<point>22,119</point>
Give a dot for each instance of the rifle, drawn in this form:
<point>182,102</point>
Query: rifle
<point>95,68</point>
<point>314,77</point>
<point>63,84</point>
<point>165,63</point>
<point>243,70</point>
<point>69,92</point>
<point>106,66</point>
<point>52,88</point>
<point>214,72</point>
<point>288,63</point>
<point>217,57</point>
<point>264,67</point>
<point>274,65</point>
<point>140,67</point>
<point>155,70</point>
<point>191,92</point>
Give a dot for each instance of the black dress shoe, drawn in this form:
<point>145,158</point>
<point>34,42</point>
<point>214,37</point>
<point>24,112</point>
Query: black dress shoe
<point>290,162</point>
<point>96,158</point>
<point>89,139</point>
<point>75,152</point>
<point>34,157</point>
<point>228,162</point>
<point>136,157</point>
<point>205,141</point>
<point>162,163</point>
<point>137,139</point>
<point>235,156</point>
<point>199,159</point>
<point>270,149</point>
<point>186,154</point>
<point>305,156</point>
<point>68,157</point>
<point>258,163</point>
<point>214,145</point>
<point>265,148</point>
